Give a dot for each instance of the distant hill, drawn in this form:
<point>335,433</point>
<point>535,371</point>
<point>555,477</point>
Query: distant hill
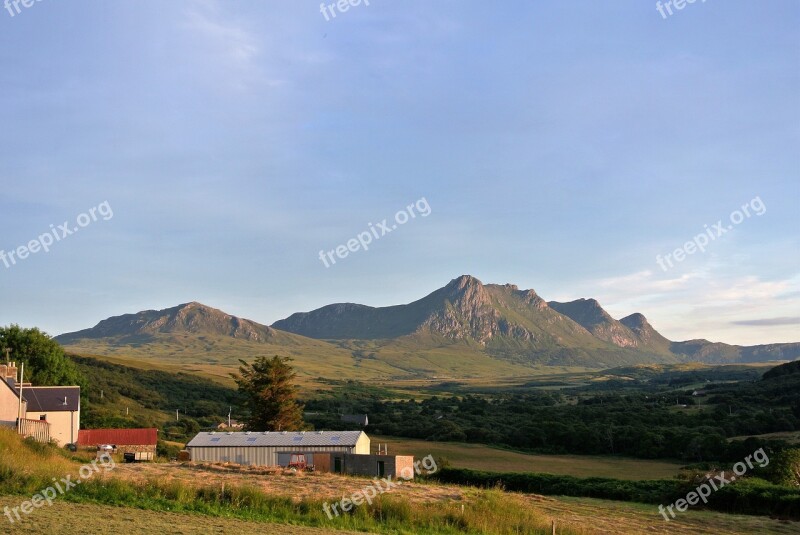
<point>790,368</point>
<point>464,329</point>
<point>194,318</point>
<point>718,353</point>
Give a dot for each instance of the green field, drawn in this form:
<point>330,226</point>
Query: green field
<point>485,458</point>
<point>792,437</point>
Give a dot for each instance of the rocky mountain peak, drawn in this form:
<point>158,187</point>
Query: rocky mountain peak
<point>463,283</point>
<point>531,298</point>
<point>635,322</point>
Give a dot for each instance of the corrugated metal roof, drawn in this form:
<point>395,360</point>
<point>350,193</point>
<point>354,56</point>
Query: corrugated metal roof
<point>276,438</point>
<point>51,398</point>
<point>125,437</point>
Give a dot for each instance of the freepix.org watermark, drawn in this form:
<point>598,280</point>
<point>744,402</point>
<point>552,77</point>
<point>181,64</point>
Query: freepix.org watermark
<point>56,234</point>
<point>665,8</point>
<point>370,492</point>
<point>342,6</point>
<point>59,488</point>
<point>701,241</point>
<point>376,232</point>
<point>12,6</point>
<point>715,483</point>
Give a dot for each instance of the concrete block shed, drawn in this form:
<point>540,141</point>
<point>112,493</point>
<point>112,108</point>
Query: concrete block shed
<point>396,466</point>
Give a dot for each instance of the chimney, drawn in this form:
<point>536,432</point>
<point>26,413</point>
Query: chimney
<point>8,371</point>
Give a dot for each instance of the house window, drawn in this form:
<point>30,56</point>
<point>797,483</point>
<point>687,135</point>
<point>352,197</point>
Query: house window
<point>43,417</point>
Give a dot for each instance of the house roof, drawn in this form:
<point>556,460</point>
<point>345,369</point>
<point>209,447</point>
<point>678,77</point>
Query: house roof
<point>51,398</point>
<point>10,384</point>
<point>127,437</point>
<point>276,439</point>
<point>360,419</point>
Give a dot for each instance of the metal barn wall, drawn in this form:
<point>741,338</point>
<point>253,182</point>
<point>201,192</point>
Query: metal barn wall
<point>256,455</point>
<point>362,445</point>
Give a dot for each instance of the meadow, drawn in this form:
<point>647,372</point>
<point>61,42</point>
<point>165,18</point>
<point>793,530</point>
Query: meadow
<point>480,457</point>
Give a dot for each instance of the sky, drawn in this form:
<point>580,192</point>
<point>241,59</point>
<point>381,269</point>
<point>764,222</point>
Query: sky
<point>563,146</point>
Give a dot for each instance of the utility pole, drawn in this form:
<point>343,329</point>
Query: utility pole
<point>229,417</point>
<point>177,418</point>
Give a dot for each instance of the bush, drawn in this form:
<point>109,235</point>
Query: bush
<point>784,469</point>
<point>168,451</point>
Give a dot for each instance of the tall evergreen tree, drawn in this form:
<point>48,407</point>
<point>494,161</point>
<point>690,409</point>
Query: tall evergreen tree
<point>270,394</point>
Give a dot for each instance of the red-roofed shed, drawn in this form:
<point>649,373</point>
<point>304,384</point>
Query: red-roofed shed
<point>123,439</point>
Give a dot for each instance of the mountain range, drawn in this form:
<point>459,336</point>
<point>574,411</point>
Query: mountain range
<point>466,328</point>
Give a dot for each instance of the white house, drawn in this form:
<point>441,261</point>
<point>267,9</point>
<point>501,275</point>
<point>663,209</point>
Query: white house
<point>59,406</point>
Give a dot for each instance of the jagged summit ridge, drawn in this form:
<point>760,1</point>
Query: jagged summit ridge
<point>465,316</point>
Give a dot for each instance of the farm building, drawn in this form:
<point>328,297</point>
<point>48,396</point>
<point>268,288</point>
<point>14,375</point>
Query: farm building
<point>346,452</point>
<point>126,440</point>
<point>269,448</point>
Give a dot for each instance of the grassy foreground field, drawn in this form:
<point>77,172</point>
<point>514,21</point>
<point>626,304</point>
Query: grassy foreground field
<point>91,518</point>
<point>585,516</point>
<point>188,498</point>
<point>480,457</point>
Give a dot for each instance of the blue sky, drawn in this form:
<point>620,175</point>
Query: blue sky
<point>561,146</point>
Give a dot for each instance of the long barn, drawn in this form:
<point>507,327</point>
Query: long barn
<point>273,448</point>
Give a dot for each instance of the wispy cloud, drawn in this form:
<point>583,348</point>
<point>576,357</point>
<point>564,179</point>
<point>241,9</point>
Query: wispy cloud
<point>232,52</point>
<point>232,40</point>
<point>708,302</point>
<point>768,322</point>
